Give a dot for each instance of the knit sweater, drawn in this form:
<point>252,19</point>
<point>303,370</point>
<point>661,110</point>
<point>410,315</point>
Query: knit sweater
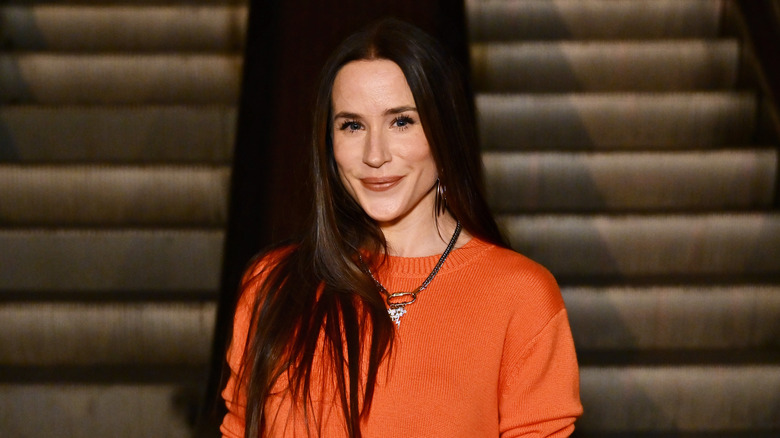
<point>485,351</point>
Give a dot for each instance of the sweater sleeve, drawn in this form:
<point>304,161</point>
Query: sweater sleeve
<point>234,395</point>
<point>539,394</point>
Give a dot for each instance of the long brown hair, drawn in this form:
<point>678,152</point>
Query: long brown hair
<point>317,287</point>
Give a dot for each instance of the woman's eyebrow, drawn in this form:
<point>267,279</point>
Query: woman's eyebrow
<point>390,111</point>
<point>346,115</point>
<point>400,109</point>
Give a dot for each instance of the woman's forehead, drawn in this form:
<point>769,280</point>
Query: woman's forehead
<point>370,86</point>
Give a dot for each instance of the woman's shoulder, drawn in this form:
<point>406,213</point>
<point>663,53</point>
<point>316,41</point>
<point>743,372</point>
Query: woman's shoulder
<point>519,278</point>
<point>266,261</point>
<point>507,264</point>
<point>258,271</point>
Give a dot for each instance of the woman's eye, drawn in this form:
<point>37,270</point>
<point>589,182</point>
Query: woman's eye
<point>350,125</point>
<point>403,122</point>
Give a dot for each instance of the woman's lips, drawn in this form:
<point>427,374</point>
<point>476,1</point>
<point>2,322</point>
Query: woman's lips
<point>380,184</point>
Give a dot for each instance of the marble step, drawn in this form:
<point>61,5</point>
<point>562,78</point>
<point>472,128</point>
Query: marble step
<point>177,78</point>
<point>683,321</point>
<point>123,261</point>
<point>106,27</point>
<point>694,400</point>
<point>121,410</point>
<point>117,134</point>
<point>95,195</point>
<point>571,246</point>
<point>615,120</point>
<point>639,181</point>
<point>588,66</point>
<point>106,333</point>
<point>712,246</point>
<point>125,2</point>
<point>637,319</point>
<point>506,20</point>
<point>680,400</point>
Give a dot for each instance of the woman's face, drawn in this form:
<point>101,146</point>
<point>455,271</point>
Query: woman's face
<point>383,157</point>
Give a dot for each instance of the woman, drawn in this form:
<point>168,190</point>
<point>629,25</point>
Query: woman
<point>402,312</point>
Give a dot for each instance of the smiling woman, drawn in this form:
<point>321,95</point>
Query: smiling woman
<point>402,312</point>
<point>383,156</point>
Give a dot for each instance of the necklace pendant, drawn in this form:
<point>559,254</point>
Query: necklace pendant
<point>396,313</point>
<point>398,301</point>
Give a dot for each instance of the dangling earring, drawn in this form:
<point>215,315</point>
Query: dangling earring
<point>440,202</point>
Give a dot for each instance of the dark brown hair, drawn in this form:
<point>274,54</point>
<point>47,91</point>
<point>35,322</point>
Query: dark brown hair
<point>318,287</point>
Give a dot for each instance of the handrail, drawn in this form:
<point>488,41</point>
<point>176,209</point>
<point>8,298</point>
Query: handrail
<point>761,22</point>
<point>762,19</point>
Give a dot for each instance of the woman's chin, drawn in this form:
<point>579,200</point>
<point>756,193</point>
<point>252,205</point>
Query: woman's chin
<point>393,213</point>
<point>383,218</point>
<point>383,215</point>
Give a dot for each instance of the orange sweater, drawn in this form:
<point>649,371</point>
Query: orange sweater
<point>486,351</point>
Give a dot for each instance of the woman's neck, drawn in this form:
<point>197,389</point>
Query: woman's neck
<point>422,237</point>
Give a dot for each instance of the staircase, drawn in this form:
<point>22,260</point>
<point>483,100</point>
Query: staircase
<point>628,151</point>
<point>116,129</point>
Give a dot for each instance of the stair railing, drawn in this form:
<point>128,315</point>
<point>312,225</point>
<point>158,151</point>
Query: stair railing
<point>759,26</point>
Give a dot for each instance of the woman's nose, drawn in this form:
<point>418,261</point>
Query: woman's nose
<point>376,152</point>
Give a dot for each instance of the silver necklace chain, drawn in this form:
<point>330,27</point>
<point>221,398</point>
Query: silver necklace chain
<point>397,302</point>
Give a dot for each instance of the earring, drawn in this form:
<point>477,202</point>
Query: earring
<point>440,201</point>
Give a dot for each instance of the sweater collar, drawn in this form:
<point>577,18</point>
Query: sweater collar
<point>422,266</point>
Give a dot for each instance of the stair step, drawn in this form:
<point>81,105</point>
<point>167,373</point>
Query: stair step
<point>109,410</point>
<point>135,134</point>
<point>667,247</point>
<point>615,120</point>
<point>605,66</point>
<point>111,79</point>
<point>105,27</point>
<point>113,195</point>
<point>587,181</point>
<point>632,319</point>
<point>680,399</point>
<point>506,20</point>
<point>106,333</point>
<point>634,399</point>
<point>67,260</point>
<point>124,2</point>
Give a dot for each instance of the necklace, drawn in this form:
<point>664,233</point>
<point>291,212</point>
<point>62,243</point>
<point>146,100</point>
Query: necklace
<point>397,302</point>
